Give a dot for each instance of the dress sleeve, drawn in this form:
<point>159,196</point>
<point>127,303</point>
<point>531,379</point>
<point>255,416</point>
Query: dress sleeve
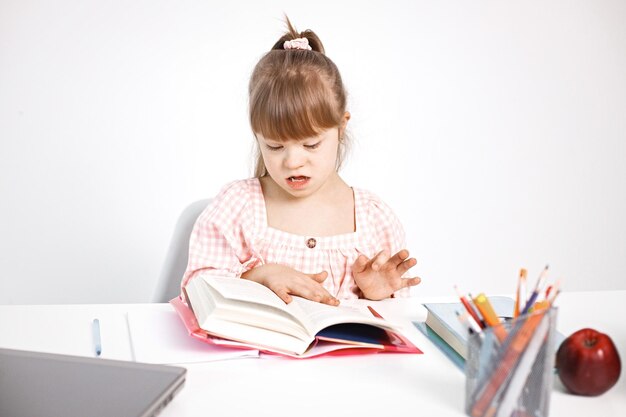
<point>218,243</point>
<point>386,226</point>
<point>387,231</point>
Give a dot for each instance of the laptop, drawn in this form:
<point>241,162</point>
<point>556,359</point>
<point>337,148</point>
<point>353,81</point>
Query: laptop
<point>34,384</point>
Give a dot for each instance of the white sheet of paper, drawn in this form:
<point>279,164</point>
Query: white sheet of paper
<point>160,337</point>
<point>64,329</point>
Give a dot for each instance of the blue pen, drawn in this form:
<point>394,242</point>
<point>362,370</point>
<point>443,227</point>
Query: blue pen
<point>95,332</point>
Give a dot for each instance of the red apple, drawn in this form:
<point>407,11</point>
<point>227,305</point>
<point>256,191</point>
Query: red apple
<point>588,362</point>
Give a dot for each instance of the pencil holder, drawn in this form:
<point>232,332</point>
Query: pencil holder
<point>509,367</point>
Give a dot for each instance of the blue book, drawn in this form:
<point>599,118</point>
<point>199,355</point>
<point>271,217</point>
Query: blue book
<point>444,329</point>
<point>445,348</point>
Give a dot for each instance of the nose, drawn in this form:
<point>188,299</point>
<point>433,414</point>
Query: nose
<point>294,157</point>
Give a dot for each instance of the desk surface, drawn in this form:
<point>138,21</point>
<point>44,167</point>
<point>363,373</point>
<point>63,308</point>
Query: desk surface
<point>370,385</point>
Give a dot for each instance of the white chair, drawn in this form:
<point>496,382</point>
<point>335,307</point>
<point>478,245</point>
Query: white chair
<point>168,284</point>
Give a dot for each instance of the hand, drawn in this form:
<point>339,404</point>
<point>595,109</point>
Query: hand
<point>381,276</point>
<point>285,281</point>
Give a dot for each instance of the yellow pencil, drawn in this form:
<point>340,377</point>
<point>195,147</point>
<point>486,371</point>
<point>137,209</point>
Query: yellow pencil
<point>489,315</point>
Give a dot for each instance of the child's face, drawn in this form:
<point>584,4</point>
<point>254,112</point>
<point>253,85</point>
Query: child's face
<point>301,167</point>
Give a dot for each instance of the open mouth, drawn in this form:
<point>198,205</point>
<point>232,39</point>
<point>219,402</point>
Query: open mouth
<point>298,182</point>
<point>298,179</point>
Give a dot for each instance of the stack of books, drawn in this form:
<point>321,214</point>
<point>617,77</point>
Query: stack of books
<point>449,325</point>
<point>445,330</point>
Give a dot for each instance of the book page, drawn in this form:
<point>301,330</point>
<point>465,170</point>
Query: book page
<point>207,298</point>
<point>322,315</point>
<point>244,290</point>
<point>258,336</point>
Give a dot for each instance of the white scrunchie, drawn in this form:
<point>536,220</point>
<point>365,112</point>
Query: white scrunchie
<point>299,43</point>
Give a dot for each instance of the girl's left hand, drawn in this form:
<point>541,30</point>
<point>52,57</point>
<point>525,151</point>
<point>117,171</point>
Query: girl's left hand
<point>381,276</point>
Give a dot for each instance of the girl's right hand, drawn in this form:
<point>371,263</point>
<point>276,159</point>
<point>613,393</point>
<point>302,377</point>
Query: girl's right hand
<point>285,281</point>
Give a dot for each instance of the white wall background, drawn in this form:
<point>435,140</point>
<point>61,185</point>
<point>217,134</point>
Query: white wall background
<point>496,129</point>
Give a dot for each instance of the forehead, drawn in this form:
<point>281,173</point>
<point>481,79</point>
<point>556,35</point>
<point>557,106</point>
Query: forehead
<point>323,134</point>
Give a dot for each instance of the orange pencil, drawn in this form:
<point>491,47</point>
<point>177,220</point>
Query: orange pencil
<point>520,298</point>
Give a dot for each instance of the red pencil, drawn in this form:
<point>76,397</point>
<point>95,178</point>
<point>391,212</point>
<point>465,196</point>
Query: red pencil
<point>374,312</point>
<point>469,308</point>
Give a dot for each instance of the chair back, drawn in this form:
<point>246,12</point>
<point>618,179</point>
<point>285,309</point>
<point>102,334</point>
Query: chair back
<point>175,264</point>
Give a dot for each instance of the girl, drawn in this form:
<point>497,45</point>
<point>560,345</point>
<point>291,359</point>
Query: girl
<point>297,227</point>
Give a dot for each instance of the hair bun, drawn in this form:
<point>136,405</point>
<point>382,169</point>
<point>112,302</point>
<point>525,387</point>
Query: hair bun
<point>293,39</point>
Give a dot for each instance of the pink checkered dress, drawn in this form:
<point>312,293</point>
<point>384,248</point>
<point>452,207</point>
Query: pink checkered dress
<point>231,236</point>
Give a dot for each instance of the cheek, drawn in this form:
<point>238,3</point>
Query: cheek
<point>330,156</point>
<point>269,160</point>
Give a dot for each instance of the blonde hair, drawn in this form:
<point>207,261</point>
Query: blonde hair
<point>296,93</point>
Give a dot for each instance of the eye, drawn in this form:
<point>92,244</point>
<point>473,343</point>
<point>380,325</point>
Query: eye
<point>273,148</point>
<point>313,146</point>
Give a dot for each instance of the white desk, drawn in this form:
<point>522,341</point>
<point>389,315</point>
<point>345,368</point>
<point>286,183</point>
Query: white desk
<point>370,385</point>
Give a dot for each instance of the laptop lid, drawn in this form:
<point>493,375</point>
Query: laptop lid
<point>34,384</point>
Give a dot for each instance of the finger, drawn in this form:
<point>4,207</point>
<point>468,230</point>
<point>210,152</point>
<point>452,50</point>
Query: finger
<point>308,289</point>
<point>319,277</point>
<point>399,257</point>
<point>406,265</point>
<point>379,260</point>
<point>284,295</point>
<point>324,298</point>
<point>410,282</point>
<point>360,264</point>
<point>317,293</point>
<point>330,300</point>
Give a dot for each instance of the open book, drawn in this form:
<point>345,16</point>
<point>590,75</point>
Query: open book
<point>242,313</point>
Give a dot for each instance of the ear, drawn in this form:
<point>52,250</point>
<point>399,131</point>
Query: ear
<point>344,123</point>
<point>345,119</point>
